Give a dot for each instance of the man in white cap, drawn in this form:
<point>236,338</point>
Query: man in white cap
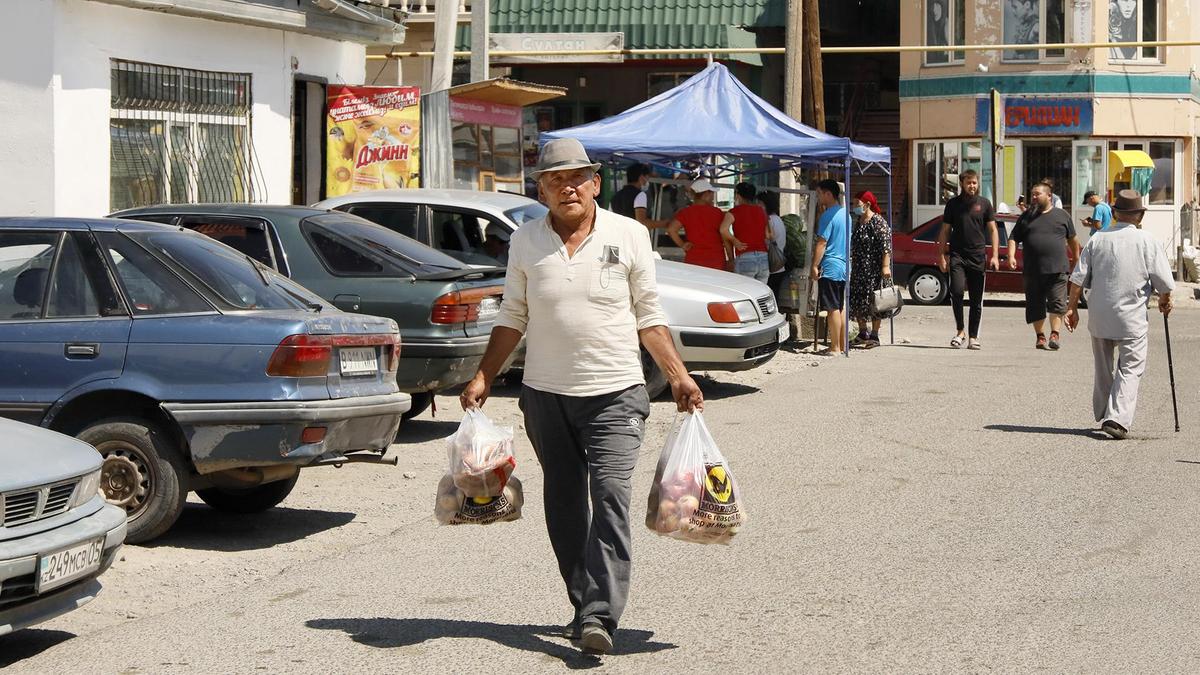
<point>581,288</point>
<point>496,243</point>
<point>1121,266</point>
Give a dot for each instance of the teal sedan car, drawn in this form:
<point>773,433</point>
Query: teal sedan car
<point>445,307</point>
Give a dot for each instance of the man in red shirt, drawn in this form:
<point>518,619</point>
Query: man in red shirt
<point>745,230</point>
<point>701,223</point>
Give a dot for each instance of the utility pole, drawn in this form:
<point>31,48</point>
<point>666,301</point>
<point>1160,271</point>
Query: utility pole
<point>445,24</point>
<point>814,79</point>
<point>793,89</point>
<point>480,33</point>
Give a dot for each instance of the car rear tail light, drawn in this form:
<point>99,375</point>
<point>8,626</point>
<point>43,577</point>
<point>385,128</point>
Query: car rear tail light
<point>463,306</point>
<point>741,311</point>
<point>301,356</point>
<point>309,355</point>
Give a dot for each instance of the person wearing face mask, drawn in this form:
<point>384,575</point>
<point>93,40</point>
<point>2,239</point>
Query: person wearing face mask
<point>870,265</point>
<point>631,201</point>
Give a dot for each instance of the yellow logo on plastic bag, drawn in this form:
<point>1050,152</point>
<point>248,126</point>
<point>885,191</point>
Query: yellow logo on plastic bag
<point>718,484</point>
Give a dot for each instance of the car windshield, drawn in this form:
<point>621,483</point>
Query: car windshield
<point>231,276</point>
<point>526,213</point>
<point>410,254</point>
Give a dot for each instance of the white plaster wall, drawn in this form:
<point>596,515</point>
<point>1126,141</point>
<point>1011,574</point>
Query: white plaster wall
<point>89,34</point>
<point>26,106</point>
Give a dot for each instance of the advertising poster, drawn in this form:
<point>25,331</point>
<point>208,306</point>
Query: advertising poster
<point>374,138</point>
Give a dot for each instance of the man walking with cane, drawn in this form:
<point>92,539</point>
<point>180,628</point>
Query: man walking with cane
<point>1121,266</point>
<point>581,288</point>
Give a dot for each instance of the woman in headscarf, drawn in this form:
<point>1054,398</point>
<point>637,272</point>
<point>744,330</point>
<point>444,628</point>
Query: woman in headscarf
<point>870,265</point>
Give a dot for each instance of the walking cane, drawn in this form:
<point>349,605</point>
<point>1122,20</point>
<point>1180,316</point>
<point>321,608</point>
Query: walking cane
<point>1171,370</point>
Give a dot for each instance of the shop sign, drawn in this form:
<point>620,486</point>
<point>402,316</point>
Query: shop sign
<point>472,111</point>
<point>556,42</point>
<point>1039,116</point>
<point>374,138</point>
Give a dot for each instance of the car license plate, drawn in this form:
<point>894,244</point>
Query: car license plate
<point>358,361</point>
<point>489,307</point>
<point>63,567</point>
<point>785,332</point>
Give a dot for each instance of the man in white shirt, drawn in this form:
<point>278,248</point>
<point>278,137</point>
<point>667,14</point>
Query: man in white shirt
<point>581,288</point>
<point>1121,266</point>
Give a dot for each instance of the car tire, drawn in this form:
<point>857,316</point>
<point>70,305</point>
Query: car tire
<point>143,472</point>
<point>927,286</point>
<point>248,500</point>
<point>656,380</point>
<point>421,401</point>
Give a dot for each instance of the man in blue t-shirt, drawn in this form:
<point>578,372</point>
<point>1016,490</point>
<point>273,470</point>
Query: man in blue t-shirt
<point>1101,212</point>
<point>829,261</point>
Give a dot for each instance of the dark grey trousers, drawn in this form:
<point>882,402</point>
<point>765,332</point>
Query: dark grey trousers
<point>588,446</point>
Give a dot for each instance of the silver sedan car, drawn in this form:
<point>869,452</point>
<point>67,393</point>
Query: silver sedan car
<point>57,534</point>
<point>720,320</point>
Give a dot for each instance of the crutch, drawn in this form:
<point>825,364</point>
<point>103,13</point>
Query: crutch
<point>1171,370</point>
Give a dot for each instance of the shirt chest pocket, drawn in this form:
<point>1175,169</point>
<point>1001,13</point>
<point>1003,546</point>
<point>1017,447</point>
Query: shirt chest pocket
<point>608,283</point>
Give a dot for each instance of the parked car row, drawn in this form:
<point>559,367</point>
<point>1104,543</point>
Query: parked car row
<point>221,348</point>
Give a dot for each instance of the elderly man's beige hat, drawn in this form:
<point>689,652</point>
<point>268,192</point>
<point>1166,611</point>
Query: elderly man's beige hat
<point>562,154</point>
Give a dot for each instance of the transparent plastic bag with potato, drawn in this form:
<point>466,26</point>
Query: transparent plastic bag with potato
<point>481,456</point>
<point>694,496</point>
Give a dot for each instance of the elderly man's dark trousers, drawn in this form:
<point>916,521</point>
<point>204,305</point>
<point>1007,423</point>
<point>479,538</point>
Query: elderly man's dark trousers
<point>588,448</point>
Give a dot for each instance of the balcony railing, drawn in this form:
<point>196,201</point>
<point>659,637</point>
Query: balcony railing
<point>421,9</point>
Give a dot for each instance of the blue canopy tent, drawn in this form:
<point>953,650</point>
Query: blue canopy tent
<point>713,114</point>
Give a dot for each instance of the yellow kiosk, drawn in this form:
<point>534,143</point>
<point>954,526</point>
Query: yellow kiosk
<point>1129,169</point>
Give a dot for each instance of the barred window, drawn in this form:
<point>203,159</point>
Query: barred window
<point>179,135</point>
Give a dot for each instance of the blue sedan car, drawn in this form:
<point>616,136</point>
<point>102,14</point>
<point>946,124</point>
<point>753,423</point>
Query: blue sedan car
<point>188,365</point>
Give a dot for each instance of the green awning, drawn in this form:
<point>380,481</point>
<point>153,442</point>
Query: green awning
<point>658,24</point>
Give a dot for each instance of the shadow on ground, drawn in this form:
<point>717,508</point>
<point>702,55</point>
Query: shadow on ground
<point>715,390</point>
<point>390,633</point>
<point>1056,431</point>
<point>27,643</point>
<point>206,529</point>
<point>421,430</point>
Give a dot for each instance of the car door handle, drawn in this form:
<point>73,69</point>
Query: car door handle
<point>81,350</point>
<point>347,303</point>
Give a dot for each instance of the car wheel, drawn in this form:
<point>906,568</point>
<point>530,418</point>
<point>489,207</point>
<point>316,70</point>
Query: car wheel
<point>248,500</point>
<point>421,400</point>
<point>142,472</point>
<point>656,381</point>
<point>927,286</point>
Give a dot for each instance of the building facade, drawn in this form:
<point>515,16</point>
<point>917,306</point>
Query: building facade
<point>1063,110</point>
<point>109,104</point>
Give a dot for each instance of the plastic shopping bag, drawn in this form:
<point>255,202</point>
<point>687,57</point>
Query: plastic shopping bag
<point>455,508</point>
<point>694,496</point>
<point>481,455</point>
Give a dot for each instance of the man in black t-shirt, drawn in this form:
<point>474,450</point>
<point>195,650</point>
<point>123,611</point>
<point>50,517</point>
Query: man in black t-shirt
<point>968,226</point>
<point>1045,233</point>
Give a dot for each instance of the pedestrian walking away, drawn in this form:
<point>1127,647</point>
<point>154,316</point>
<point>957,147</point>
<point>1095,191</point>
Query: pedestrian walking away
<point>1101,213</point>
<point>701,224</point>
<point>968,226</point>
<point>581,289</point>
<point>770,202</point>
<point>829,262</point>
<point>631,201</point>
<point>746,231</point>
<point>870,265</point>
<point>1050,247</point>
<point>1120,267</point>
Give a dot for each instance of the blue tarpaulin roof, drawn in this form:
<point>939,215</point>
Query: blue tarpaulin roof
<point>712,113</point>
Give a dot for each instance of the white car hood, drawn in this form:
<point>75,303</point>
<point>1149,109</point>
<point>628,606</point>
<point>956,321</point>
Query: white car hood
<point>32,456</point>
<point>724,285</point>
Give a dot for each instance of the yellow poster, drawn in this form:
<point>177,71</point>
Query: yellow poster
<point>374,138</point>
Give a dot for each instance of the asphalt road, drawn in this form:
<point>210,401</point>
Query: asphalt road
<point>912,508</point>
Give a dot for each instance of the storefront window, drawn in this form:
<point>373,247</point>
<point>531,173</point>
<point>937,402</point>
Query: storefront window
<point>1162,184</point>
<point>945,24</point>
<point>939,167</point>
<point>1089,170</point>
<point>466,145</point>
<point>1133,21</point>
<point>1027,22</point>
